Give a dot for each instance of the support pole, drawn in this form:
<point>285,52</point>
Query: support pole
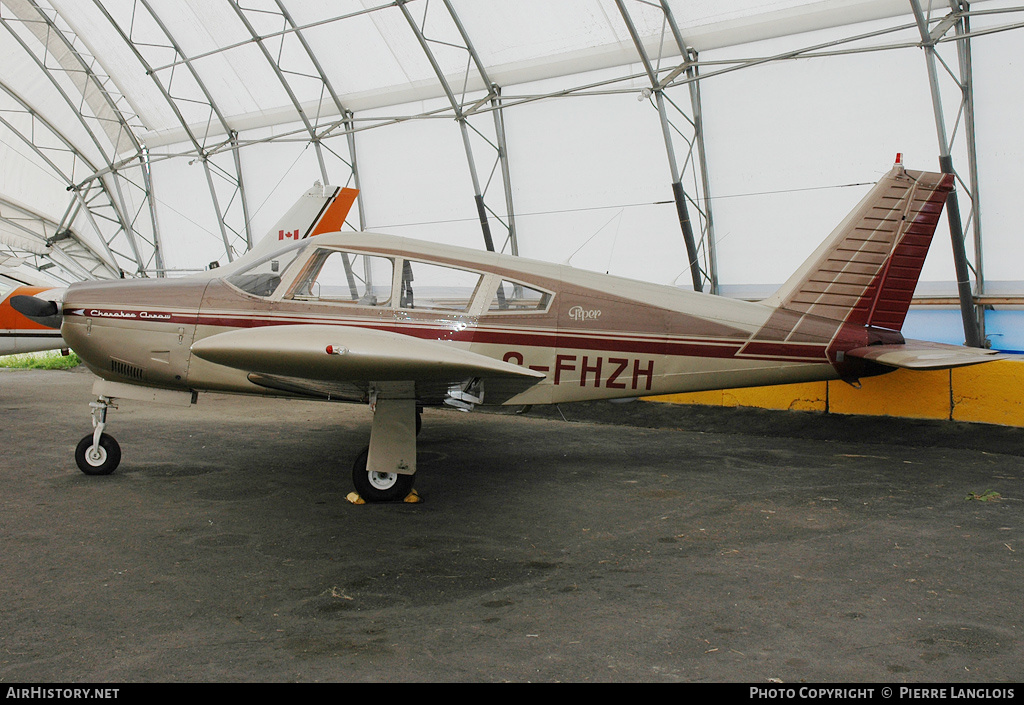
<point>680,198</point>
<point>461,117</point>
<point>147,181</point>
<point>241,189</point>
<point>972,334</point>
<point>678,193</point>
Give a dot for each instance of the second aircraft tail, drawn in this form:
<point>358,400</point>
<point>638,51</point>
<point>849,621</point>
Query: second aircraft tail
<point>322,209</point>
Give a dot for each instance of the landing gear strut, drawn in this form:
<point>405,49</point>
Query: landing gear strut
<point>98,453</point>
<point>385,471</point>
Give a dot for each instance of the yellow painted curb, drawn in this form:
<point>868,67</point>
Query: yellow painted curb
<point>808,396</point>
<point>989,393</point>
<point>904,393</point>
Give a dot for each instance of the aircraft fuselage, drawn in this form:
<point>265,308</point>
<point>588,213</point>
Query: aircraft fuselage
<point>592,336</point>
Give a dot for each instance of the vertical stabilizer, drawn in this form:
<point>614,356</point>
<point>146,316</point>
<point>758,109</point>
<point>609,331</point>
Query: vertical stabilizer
<point>322,209</point>
<point>865,273</point>
<point>319,210</point>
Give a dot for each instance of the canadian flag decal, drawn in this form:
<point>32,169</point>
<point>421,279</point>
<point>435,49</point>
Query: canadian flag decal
<point>284,235</point>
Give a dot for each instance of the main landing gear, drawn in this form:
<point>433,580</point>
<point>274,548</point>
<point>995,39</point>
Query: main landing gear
<point>385,470</point>
<point>98,453</point>
<point>377,486</point>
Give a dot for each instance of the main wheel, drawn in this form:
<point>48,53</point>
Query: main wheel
<point>101,460</point>
<point>379,486</point>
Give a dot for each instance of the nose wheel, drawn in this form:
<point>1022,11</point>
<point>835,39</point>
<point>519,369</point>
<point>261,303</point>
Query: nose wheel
<point>98,453</point>
<point>98,458</point>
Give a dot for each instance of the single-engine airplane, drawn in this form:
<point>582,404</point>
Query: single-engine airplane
<point>402,324</point>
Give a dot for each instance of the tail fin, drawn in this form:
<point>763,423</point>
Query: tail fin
<point>865,273</point>
<point>322,209</point>
<point>856,288</point>
<point>319,210</point>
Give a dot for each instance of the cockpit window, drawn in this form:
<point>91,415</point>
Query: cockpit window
<point>436,286</point>
<point>513,296</point>
<point>263,277</point>
<point>346,277</point>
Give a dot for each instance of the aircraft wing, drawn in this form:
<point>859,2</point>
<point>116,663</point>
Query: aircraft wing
<point>316,359</point>
<point>923,355</point>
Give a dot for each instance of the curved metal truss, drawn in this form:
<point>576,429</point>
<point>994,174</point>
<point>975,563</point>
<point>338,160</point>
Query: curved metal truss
<point>223,175</point>
<point>102,192</point>
<point>33,238</point>
<point>108,176</point>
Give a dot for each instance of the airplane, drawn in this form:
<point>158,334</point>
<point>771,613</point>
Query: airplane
<point>19,333</point>
<point>402,324</point>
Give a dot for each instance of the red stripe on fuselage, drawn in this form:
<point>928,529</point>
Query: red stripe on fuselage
<point>639,343</point>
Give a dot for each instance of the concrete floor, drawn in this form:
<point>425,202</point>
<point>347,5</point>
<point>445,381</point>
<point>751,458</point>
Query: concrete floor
<point>636,542</point>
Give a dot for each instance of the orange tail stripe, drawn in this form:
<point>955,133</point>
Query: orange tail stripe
<point>334,217</point>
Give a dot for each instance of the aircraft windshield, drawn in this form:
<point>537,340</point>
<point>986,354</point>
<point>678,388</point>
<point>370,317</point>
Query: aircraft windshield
<point>263,277</point>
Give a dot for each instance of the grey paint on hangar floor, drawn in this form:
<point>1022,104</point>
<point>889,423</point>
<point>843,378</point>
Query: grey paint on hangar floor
<point>682,544</point>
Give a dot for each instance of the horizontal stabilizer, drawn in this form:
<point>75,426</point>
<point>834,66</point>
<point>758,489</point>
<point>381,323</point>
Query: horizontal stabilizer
<point>347,353</point>
<point>922,355</point>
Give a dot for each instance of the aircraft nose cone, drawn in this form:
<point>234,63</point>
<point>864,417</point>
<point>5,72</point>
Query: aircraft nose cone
<point>32,307</point>
<point>137,331</point>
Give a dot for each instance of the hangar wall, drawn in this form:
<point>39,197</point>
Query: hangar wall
<point>796,123</point>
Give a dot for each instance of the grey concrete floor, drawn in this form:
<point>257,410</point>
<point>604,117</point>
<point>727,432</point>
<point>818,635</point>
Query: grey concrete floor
<point>635,542</point>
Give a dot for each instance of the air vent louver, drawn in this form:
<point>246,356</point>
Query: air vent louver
<point>128,370</point>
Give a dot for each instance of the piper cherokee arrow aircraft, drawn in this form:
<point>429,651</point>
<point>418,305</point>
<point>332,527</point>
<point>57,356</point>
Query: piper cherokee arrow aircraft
<point>401,324</point>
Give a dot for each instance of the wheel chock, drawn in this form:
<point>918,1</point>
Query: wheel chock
<point>412,498</point>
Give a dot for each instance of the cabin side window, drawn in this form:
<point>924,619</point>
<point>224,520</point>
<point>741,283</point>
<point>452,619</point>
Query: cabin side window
<point>345,277</point>
<point>516,297</point>
<point>434,286</point>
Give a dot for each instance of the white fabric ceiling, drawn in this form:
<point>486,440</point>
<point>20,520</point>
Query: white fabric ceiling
<point>152,90</point>
<point>375,61</point>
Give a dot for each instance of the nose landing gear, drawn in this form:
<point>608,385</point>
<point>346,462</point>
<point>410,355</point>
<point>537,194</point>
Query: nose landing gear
<point>98,453</point>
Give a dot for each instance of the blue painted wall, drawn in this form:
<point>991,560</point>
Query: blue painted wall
<point>1004,328</point>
